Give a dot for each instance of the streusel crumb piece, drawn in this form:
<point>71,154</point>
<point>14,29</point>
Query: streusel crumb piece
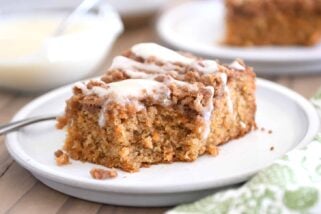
<point>212,150</point>
<point>61,158</point>
<point>102,174</point>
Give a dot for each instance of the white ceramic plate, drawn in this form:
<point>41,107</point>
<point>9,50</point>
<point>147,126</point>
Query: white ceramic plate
<point>198,27</point>
<point>137,7</point>
<point>292,119</point>
<point>294,68</point>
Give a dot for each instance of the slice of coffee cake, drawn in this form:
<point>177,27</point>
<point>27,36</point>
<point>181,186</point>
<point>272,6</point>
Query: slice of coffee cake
<point>273,22</point>
<point>131,123</point>
<point>155,105</point>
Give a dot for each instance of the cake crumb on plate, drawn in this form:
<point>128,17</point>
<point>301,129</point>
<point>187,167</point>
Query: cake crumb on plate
<point>102,174</point>
<point>61,158</point>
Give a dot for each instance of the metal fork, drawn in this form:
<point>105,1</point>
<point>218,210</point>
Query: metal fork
<point>13,126</point>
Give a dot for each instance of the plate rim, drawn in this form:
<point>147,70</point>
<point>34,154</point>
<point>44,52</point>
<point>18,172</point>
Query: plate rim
<point>18,154</point>
<point>141,10</point>
<point>227,53</point>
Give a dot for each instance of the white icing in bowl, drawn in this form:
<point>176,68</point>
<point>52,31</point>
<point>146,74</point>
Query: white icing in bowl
<point>32,60</point>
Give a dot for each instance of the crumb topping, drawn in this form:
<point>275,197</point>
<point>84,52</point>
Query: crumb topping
<point>102,174</point>
<point>213,150</point>
<point>167,56</point>
<point>236,65</point>
<point>134,91</point>
<point>61,158</point>
<point>155,62</point>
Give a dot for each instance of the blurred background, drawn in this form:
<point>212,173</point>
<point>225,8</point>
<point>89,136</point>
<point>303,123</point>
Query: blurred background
<point>34,58</point>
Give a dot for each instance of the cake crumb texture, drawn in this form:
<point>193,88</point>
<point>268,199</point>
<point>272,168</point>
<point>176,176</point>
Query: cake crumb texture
<point>103,174</point>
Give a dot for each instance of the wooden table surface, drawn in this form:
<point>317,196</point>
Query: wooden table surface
<point>20,192</point>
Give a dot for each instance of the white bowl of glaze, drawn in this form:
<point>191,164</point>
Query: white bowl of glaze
<point>63,59</point>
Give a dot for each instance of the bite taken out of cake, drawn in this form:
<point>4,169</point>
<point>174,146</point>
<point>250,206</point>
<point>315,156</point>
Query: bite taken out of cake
<point>155,105</point>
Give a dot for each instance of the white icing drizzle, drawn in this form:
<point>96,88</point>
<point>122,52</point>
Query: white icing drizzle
<point>169,80</point>
<point>207,112</point>
<point>229,101</point>
<point>149,50</point>
<point>134,69</point>
<point>243,125</point>
<point>125,92</point>
<point>237,66</point>
<point>102,117</point>
<point>206,66</point>
<point>83,87</point>
<point>99,91</point>
<point>125,89</point>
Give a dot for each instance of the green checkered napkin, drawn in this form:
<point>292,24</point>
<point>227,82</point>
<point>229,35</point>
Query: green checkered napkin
<point>291,184</point>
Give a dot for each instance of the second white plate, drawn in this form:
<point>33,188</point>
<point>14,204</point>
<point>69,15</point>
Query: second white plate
<point>198,27</point>
<point>292,119</point>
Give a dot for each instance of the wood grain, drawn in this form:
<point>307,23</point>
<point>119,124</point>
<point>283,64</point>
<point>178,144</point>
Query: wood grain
<point>131,210</point>
<point>306,85</point>
<point>9,105</point>
<point>14,184</point>
<point>39,199</point>
<point>74,205</point>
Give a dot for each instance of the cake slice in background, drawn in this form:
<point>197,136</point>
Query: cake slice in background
<point>273,22</point>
